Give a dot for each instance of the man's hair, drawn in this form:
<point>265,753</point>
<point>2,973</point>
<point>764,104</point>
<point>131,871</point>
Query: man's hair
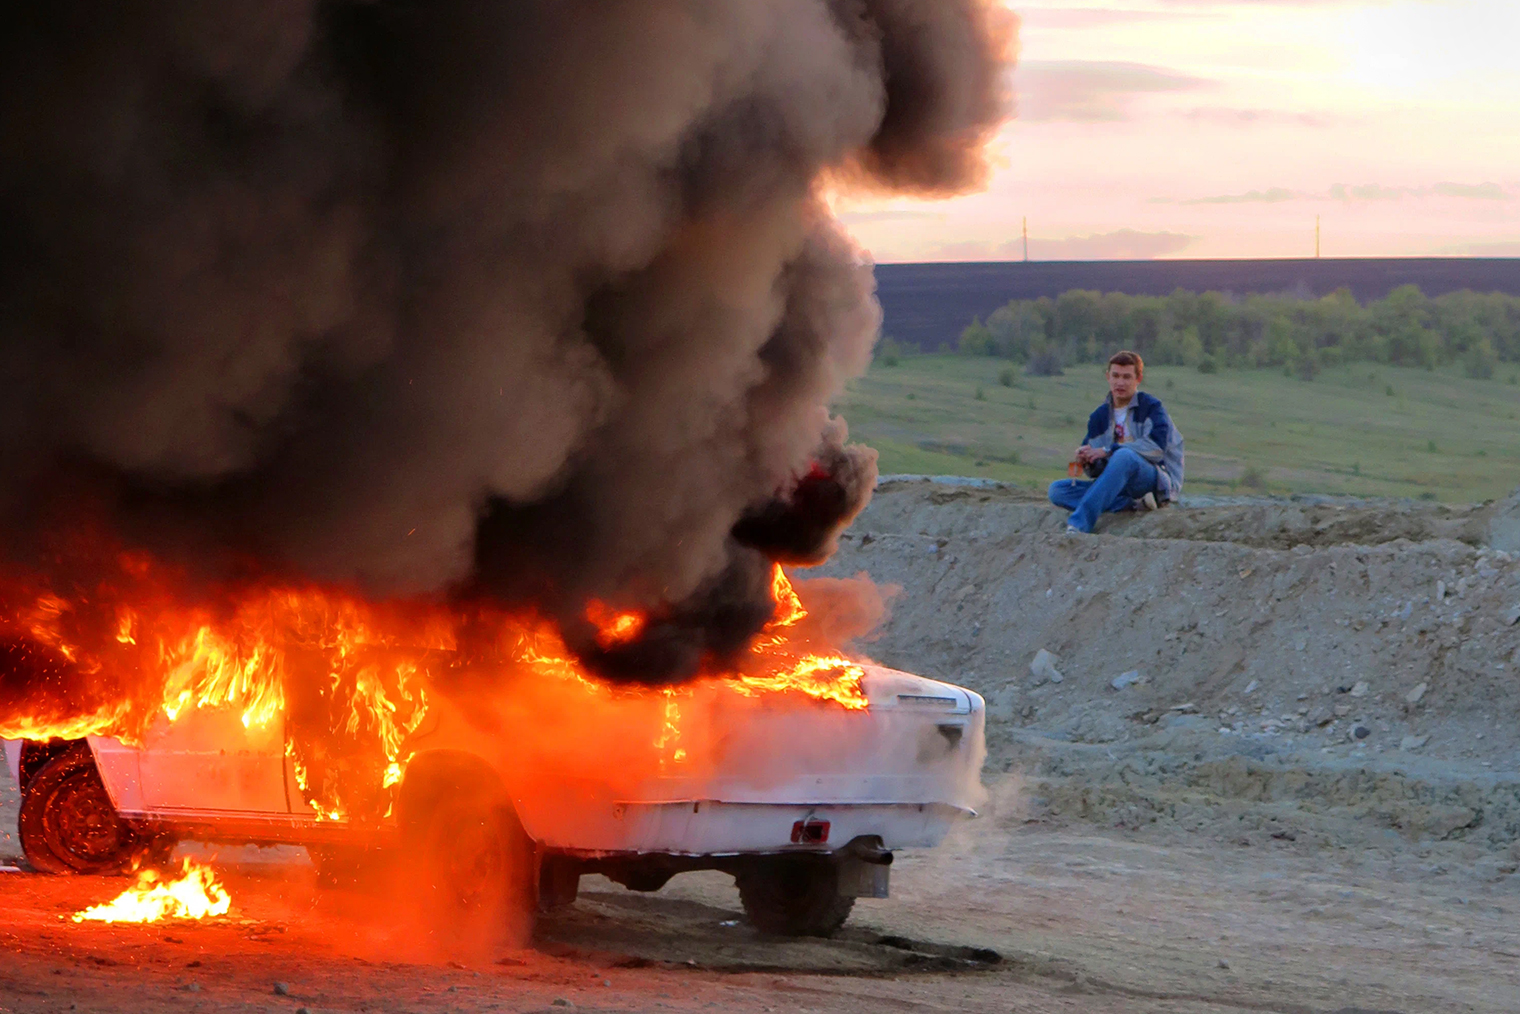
<point>1128,358</point>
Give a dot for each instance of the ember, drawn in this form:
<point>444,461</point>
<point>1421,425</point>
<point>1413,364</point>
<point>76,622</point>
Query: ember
<point>194,894</point>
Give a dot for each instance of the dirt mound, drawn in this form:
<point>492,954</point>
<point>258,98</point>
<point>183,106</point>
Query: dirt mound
<point>1262,521</point>
<point>1356,659</point>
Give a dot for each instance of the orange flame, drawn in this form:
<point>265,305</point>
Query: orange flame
<point>612,626</point>
<point>789,609</point>
<point>194,894</point>
<point>347,679</point>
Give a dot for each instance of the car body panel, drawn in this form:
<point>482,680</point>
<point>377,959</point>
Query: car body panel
<point>13,758</point>
<point>904,769</point>
<point>209,759</point>
<point>709,828</point>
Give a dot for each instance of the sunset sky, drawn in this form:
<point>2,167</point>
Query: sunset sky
<point>1220,128</point>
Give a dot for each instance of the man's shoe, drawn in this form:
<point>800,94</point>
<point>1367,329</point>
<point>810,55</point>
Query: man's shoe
<point>1072,530</point>
<point>1146,502</point>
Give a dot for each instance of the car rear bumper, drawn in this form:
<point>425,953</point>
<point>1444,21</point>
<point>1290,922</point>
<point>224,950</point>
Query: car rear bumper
<point>712,828</point>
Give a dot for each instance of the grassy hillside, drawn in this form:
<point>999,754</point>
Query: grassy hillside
<point>1363,430</point>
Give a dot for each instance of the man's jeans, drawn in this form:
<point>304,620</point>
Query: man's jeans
<point>1127,478</point>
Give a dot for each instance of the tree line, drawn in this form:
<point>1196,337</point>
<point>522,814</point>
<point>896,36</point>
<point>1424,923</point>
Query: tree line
<point>1210,330</point>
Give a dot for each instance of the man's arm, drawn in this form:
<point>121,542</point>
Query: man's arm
<point>1152,446</point>
<point>1097,425</point>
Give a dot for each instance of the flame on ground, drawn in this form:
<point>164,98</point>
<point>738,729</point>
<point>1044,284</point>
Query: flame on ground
<point>194,894</point>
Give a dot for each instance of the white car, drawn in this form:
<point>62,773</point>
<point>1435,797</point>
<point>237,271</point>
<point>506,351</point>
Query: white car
<point>803,801</point>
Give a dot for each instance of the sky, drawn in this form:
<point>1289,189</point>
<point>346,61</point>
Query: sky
<point>1221,128</point>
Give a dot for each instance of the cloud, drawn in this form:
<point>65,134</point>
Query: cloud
<point>1367,192</point>
<point>1227,117</point>
<point>1477,192</point>
<point>1281,3</point>
<point>1095,17</point>
<point>1502,249</point>
<point>1463,191</point>
<point>1272,195</point>
<point>1090,91</point>
<point>1123,245</point>
<point>891,215</point>
<point>1348,193</point>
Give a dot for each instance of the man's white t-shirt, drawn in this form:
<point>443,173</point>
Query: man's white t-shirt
<point>1123,434</point>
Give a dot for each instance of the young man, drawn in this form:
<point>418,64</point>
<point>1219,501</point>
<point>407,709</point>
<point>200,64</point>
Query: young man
<point>1132,439</point>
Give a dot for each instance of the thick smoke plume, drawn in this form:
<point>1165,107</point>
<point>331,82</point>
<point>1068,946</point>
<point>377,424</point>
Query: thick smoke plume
<point>534,301</point>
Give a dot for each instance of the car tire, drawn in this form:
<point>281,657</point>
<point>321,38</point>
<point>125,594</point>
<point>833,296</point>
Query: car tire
<point>68,823</point>
<point>794,896</point>
<point>479,873</point>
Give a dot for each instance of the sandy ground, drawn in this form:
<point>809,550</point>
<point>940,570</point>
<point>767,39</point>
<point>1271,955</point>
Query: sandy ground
<point>1015,914</point>
<point>1213,837</point>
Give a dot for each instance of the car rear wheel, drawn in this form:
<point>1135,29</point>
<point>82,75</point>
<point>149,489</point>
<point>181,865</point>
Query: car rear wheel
<point>480,873</point>
<point>68,823</point>
<point>794,896</point>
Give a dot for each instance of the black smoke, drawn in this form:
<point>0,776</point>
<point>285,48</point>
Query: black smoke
<point>531,300</point>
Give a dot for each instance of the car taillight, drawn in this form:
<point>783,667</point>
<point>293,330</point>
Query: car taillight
<point>810,832</point>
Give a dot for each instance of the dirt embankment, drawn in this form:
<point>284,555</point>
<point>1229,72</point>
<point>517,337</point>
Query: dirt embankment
<point>1347,668</point>
<point>1212,837</point>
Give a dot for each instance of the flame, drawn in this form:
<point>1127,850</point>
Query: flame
<point>670,733</point>
<point>822,678</point>
<point>194,894</point>
<point>789,609</point>
<point>613,627</point>
<point>345,680</point>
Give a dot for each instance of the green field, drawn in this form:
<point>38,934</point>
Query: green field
<point>1364,430</point>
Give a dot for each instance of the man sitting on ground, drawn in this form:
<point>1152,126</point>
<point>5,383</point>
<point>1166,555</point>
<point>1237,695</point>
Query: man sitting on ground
<point>1132,450</point>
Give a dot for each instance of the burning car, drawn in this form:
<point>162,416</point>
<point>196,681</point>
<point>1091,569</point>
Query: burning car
<point>800,777</point>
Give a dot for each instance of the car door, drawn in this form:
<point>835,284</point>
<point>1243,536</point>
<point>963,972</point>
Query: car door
<point>207,759</point>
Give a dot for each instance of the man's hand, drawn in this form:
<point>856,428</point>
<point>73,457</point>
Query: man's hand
<point>1086,454</point>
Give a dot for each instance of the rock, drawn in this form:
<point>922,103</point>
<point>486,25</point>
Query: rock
<point>1409,743</point>
<point>1440,590</point>
<point>560,1001</point>
<point>1127,679</point>
<point>192,987</point>
<point>1000,706</point>
<point>1223,963</point>
<point>1504,526</point>
<point>1252,686</point>
<point>1361,688</point>
<point>1044,667</point>
<point>1512,615</point>
<point>281,989</point>
<point>1413,697</point>
<point>1342,710</point>
<point>1359,731</point>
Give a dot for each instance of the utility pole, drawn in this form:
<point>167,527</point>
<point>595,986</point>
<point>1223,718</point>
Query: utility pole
<point>1026,239</point>
<point>1316,237</point>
